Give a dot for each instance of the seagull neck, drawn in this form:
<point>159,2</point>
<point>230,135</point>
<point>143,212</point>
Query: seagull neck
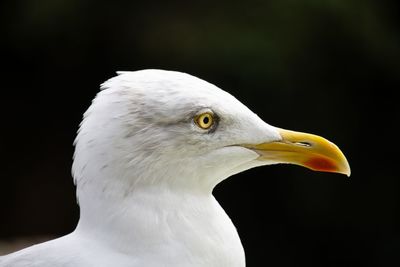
<point>145,212</point>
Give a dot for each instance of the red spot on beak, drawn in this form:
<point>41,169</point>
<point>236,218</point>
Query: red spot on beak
<point>321,164</point>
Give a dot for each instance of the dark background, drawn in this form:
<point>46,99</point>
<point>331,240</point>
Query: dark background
<point>326,67</point>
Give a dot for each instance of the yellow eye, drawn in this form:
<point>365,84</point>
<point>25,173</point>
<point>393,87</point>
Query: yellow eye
<point>204,121</point>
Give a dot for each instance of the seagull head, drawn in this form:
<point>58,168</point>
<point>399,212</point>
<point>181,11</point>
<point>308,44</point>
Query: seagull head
<point>153,128</point>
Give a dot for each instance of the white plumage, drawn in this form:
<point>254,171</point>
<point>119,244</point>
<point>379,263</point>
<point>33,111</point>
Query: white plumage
<point>145,172</point>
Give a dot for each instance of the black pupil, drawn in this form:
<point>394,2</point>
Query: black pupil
<point>206,120</point>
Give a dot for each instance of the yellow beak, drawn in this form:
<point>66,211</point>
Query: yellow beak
<point>307,150</point>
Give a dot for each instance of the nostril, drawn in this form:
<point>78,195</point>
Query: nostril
<point>303,143</point>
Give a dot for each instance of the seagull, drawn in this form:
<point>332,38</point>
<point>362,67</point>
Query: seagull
<point>148,153</point>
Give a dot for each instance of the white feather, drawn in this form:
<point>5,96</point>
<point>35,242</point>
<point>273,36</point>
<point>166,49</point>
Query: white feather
<point>145,173</point>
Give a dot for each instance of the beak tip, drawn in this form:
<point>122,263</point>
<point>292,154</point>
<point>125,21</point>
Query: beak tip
<point>344,168</point>
<point>348,171</point>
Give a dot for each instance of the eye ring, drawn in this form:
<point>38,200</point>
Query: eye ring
<point>205,120</point>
